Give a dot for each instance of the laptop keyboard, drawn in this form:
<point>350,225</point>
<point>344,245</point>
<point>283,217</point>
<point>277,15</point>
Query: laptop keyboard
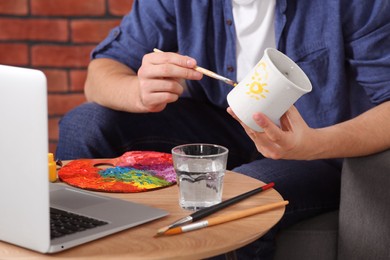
<point>64,223</point>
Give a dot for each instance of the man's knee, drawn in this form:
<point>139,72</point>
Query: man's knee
<point>80,130</point>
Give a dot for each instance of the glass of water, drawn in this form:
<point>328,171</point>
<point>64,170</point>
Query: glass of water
<point>200,169</point>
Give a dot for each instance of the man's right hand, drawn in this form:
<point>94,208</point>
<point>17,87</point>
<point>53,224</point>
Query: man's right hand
<point>160,81</point>
<point>161,78</point>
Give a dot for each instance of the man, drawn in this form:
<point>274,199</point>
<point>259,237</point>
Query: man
<point>153,101</point>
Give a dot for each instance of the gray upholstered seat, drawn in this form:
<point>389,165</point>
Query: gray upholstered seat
<point>359,230</point>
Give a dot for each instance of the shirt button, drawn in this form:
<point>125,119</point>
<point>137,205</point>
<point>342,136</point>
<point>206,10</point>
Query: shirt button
<point>229,22</point>
<point>230,68</point>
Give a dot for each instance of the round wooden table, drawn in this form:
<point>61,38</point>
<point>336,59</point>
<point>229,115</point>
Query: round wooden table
<point>140,243</point>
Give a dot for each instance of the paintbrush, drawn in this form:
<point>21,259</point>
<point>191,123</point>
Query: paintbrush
<point>212,209</point>
<point>210,73</point>
<point>224,218</point>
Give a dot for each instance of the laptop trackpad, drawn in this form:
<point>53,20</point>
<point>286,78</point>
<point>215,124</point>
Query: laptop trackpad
<point>73,199</point>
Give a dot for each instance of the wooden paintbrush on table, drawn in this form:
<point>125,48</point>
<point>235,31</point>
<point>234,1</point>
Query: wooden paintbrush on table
<point>223,218</point>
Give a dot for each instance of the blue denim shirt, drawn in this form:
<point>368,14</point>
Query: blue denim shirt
<point>342,45</point>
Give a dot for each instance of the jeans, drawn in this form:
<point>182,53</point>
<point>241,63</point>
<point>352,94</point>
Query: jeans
<point>93,131</point>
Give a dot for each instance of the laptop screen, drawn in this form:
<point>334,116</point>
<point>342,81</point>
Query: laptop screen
<point>24,198</point>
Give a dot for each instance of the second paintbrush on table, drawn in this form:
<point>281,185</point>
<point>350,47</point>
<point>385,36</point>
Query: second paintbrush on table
<point>224,218</point>
<point>212,209</point>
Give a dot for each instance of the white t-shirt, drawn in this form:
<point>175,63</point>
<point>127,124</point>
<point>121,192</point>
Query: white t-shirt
<point>255,31</point>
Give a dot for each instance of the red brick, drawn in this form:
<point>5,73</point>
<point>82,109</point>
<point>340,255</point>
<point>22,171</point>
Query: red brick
<point>119,7</point>
<point>14,7</point>
<point>77,80</point>
<point>61,104</point>
<point>14,54</point>
<point>34,29</point>
<point>57,80</point>
<point>53,128</point>
<point>68,7</point>
<point>61,56</point>
<point>52,146</point>
<point>91,31</point>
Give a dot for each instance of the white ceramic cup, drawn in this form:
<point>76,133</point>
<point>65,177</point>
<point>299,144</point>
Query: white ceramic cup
<point>271,87</point>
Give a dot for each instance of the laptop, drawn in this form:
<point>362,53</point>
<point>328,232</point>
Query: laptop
<point>27,198</point>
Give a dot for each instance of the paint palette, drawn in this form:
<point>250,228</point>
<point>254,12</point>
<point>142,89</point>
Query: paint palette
<point>134,171</point>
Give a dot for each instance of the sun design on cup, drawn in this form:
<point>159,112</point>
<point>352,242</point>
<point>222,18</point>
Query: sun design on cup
<point>257,86</point>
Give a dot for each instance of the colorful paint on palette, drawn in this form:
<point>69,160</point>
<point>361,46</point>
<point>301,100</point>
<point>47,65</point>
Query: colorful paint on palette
<point>134,171</point>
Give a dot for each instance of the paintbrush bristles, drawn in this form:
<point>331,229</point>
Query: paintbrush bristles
<point>210,73</point>
<point>162,230</point>
<point>215,75</point>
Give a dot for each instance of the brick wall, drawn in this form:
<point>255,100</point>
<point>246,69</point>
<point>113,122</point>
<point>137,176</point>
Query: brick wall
<point>56,36</point>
